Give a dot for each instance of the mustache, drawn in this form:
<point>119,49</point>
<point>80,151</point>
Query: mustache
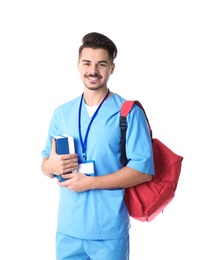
<point>94,75</point>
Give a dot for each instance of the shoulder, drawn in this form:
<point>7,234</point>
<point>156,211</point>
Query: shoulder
<point>119,100</point>
<point>116,100</point>
<point>69,105</point>
<point>135,112</point>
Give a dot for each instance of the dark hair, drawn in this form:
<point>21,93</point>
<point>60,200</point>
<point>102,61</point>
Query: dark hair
<point>97,40</point>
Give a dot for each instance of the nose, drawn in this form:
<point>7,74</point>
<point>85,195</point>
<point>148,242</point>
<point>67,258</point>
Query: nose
<point>94,69</point>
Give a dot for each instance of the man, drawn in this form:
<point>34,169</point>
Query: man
<point>93,221</point>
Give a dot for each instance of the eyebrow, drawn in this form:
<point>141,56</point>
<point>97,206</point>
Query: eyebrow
<point>100,61</point>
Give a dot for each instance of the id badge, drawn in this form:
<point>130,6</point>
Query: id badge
<point>87,168</point>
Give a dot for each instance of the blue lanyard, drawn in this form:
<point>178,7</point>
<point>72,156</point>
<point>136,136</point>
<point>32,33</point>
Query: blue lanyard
<point>83,144</point>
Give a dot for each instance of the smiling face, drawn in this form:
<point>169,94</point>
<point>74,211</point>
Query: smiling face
<point>95,68</point>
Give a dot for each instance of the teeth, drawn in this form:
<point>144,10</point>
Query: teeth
<point>92,78</point>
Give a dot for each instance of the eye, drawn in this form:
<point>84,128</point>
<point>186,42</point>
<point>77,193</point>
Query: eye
<point>86,63</point>
<point>102,65</point>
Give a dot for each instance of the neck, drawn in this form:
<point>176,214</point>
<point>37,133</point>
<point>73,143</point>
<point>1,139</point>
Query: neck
<point>94,98</point>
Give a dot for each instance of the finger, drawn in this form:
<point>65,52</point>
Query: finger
<point>67,175</point>
<point>53,145</point>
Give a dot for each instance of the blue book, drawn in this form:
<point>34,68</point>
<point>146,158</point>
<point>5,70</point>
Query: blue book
<point>64,145</point>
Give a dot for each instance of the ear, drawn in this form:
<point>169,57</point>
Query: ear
<point>78,65</point>
<point>112,68</point>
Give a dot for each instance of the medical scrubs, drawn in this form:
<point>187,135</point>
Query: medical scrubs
<point>100,214</point>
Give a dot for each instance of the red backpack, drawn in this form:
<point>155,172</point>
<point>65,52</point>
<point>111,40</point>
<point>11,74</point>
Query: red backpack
<point>145,201</point>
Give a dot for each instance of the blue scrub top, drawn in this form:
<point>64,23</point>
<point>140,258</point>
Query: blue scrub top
<point>100,214</point>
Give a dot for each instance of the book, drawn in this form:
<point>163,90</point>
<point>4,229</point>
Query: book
<point>64,145</point>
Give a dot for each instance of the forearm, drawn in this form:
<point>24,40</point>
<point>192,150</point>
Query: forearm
<point>46,169</point>
<point>123,178</point>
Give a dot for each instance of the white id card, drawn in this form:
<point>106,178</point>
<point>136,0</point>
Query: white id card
<point>87,168</point>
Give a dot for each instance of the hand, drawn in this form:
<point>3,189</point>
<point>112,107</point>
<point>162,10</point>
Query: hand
<point>76,181</point>
<point>64,163</point>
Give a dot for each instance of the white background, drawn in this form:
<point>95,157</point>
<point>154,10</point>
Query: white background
<point>157,64</point>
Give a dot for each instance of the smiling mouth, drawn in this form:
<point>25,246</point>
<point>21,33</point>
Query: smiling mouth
<point>93,78</point>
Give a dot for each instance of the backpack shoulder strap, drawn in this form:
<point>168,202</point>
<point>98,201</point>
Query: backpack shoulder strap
<point>128,105</point>
<point>125,109</point>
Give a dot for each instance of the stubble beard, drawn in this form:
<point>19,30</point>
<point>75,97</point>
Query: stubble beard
<point>95,88</point>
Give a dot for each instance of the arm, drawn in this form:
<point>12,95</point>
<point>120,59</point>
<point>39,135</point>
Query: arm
<point>123,178</point>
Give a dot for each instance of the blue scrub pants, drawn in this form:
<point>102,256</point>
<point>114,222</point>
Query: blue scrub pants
<point>71,248</point>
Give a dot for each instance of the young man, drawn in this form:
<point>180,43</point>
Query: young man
<point>93,221</point>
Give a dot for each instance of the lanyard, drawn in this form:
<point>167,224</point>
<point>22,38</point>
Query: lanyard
<point>84,143</point>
